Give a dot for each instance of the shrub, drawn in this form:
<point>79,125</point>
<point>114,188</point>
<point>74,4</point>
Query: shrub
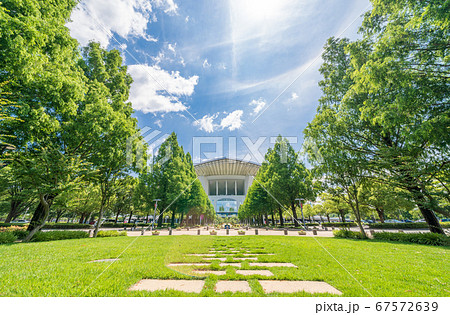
<point>347,234</point>
<point>65,226</point>
<point>7,237</point>
<point>117,225</point>
<point>418,238</point>
<point>339,224</point>
<point>405,226</point>
<point>111,233</point>
<point>58,235</point>
<point>13,224</point>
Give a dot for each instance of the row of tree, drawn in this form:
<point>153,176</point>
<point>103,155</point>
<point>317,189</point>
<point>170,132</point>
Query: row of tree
<point>68,138</point>
<point>380,138</point>
<point>382,126</point>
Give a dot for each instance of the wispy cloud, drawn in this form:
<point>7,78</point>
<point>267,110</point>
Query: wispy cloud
<point>258,105</point>
<point>294,96</point>
<point>206,64</point>
<point>206,123</point>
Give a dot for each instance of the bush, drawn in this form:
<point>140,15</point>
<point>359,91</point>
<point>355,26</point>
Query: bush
<point>13,224</point>
<point>66,226</point>
<point>111,233</point>
<point>117,225</point>
<point>58,235</point>
<point>417,238</point>
<point>339,224</point>
<point>348,234</point>
<point>7,237</point>
<point>405,226</point>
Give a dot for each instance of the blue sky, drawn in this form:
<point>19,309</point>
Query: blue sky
<point>233,69</point>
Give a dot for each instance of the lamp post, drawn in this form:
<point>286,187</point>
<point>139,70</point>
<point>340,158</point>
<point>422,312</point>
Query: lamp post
<point>300,200</point>
<point>154,212</point>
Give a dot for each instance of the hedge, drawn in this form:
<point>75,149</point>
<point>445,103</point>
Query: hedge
<point>405,226</point>
<point>348,234</point>
<point>111,233</point>
<point>339,224</point>
<point>418,238</point>
<point>58,235</point>
<point>66,226</point>
<point>12,224</point>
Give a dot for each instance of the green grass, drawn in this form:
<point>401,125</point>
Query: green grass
<point>61,268</point>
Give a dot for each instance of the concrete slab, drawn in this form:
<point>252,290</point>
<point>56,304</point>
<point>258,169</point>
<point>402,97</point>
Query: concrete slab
<point>272,265</point>
<point>232,286</point>
<point>270,286</point>
<point>266,273</point>
<point>194,286</point>
<point>258,254</point>
<point>245,258</point>
<point>202,255</point>
<point>213,272</point>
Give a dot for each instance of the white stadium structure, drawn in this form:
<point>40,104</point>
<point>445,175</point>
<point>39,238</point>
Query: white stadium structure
<point>226,182</point>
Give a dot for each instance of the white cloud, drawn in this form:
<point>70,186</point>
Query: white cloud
<point>156,90</point>
<point>98,19</point>
<point>186,19</point>
<point>294,96</point>
<point>258,104</point>
<point>206,123</point>
<point>206,64</point>
<point>232,121</point>
<point>222,66</point>
<point>172,47</point>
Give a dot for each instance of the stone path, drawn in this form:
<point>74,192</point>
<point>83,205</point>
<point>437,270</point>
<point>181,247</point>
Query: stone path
<point>232,286</point>
<point>194,286</point>
<point>105,260</point>
<point>266,273</point>
<point>269,286</point>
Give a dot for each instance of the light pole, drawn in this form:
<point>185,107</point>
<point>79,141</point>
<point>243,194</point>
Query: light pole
<point>154,212</point>
<point>300,200</point>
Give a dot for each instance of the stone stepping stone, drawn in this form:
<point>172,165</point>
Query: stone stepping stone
<point>194,286</point>
<point>200,255</point>
<point>245,258</point>
<point>104,260</point>
<point>258,254</point>
<point>188,264</point>
<point>214,272</point>
<point>232,286</point>
<point>230,264</point>
<point>270,286</point>
<point>266,273</point>
<point>272,265</point>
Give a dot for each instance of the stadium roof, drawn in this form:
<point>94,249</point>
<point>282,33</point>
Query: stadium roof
<point>224,166</point>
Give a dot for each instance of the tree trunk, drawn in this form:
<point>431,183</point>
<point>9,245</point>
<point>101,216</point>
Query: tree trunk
<point>129,218</point>
<point>427,213</point>
<point>40,212</point>
<point>102,206</point>
<point>117,217</point>
<point>280,212</point>
<point>380,213</point>
<point>172,220</point>
<point>14,210</point>
<point>181,219</point>
<point>328,218</point>
<point>294,213</point>
<point>81,219</point>
<point>59,214</point>
<point>40,215</point>
<point>160,220</point>
<point>341,212</point>
<point>273,218</point>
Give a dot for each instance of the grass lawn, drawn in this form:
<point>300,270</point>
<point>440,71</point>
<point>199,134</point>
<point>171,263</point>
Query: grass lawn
<point>61,268</point>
